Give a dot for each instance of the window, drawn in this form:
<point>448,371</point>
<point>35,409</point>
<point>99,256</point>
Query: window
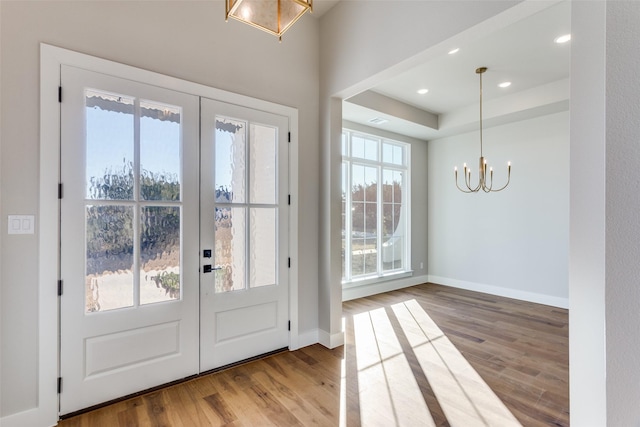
<point>375,207</point>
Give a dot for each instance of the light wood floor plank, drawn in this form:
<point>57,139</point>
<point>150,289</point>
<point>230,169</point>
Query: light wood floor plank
<point>427,355</point>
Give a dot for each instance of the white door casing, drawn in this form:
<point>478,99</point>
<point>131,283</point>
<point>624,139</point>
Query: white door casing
<point>53,60</point>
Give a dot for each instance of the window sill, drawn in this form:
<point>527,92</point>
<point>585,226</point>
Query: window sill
<point>377,279</point>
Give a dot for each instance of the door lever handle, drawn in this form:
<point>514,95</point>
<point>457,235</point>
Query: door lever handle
<point>208,268</point>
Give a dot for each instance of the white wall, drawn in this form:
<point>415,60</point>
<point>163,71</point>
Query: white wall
<point>587,336</point>
<point>622,212</point>
<point>361,42</point>
<point>188,40</point>
<point>515,242</point>
<point>605,373</point>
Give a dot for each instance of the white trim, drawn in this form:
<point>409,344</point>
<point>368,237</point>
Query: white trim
<point>295,340</point>
<point>31,417</point>
<point>48,254</point>
<point>364,281</point>
<point>502,292</point>
<point>308,338</point>
<point>51,60</point>
<point>380,287</point>
<point>330,341</point>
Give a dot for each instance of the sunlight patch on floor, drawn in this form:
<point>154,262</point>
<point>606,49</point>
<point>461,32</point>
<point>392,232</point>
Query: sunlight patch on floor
<point>388,391</point>
<point>463,395</point>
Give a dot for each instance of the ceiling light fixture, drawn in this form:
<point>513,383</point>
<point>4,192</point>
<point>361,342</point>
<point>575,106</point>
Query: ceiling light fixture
<point>483,184</point>
<point>378,120</point>
<point>423,91</point>
<point>562,39</point>
<point>504,84</point>
<point>272,16</point>
<point>452,51</point>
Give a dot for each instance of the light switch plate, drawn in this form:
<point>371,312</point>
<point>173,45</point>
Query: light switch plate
<point>21,224</point>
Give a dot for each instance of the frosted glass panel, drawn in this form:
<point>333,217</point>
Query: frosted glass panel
<point>160,154</point>
<point>263,164</point>
<point>159,254</point>
<point>109,257</point>
<point>230,249</point>
<point>230,160</point>
<point>109,146</point>
<point>263,247</point>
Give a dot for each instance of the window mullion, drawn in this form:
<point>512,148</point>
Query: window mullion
<point>348,232</point>
<point>379,205</point>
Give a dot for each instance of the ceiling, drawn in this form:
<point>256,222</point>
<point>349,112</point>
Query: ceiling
<point>320,7</point>
<point>523,53</point>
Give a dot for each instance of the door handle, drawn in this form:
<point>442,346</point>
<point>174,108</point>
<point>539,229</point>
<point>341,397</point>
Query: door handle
<point>208,268</point>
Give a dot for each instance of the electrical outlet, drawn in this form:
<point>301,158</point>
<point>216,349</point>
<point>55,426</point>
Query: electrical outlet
<point>422,266</point>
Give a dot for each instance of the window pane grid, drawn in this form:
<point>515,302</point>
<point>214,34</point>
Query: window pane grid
<point>133,203</point>
<point>374,210</point>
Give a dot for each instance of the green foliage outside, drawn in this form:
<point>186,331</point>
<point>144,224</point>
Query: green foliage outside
<point>170,282</point>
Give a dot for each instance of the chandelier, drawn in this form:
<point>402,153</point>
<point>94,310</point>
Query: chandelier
<point>272,16</point>
<point>484,184</point>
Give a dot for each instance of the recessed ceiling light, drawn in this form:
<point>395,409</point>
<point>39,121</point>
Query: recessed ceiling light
<point>504,84</point>
<point>563,39</point>
<point>423,91</point>
<point>452,51</point>
<point>378,121</point>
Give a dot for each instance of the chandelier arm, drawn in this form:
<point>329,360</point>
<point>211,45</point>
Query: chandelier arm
<point>456,179</point>
<point>468,183</point>
<point>479,186</point>
<point>484,187</point>
<point>505,186</point>
<point>461,189</point>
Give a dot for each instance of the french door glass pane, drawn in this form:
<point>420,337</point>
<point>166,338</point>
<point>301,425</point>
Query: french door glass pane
<point>160,153</point>
<point>263,164</point>
<point>263,244</point>
<point>230,248</point>
<point>230,160</point>
<point>159,254</point>
<point>109,257</point>
<point>109,145</point>
<point>110,173</point>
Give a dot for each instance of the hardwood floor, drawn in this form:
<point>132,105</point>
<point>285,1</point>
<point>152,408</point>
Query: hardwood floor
<point>425,355</point>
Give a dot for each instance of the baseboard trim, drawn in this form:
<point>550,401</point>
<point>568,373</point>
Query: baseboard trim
<point>378,288</point>
<point>502,292</point>
<point>30,417</point>
<point>307,338</point>
<point>330,340</point>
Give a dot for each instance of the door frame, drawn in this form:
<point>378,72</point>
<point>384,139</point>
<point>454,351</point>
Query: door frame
<point>51,60</point>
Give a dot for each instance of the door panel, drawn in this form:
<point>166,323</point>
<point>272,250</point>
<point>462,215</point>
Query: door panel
<point>244,219</point>
<point>129,236</point>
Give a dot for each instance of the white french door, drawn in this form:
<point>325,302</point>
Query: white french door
<point>174,236</point>
<point>244,226</point>
<point>129,237</point>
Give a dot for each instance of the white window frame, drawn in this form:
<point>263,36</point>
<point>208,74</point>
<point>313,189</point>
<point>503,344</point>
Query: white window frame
<point>348,281</point>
